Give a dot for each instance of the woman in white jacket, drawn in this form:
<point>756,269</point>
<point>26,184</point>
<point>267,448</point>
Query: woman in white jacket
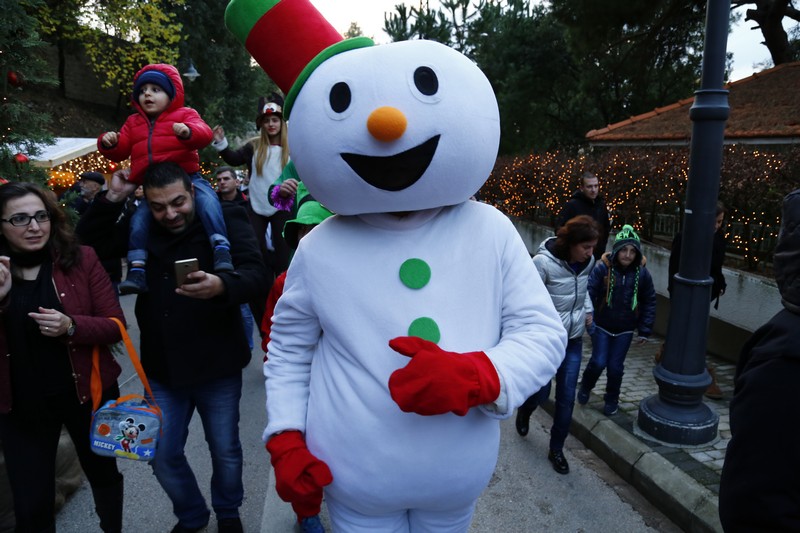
<point>564,263</point>
<point>266,157</point>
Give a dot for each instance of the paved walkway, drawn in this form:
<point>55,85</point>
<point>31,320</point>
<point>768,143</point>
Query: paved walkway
<point>682,481</point>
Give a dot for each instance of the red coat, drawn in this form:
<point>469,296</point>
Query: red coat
<point>272,300</point>
<point>88,298</point>
<point>147,142</point>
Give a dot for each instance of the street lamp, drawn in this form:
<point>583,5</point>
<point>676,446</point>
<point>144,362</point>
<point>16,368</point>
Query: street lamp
<point>191,73</point>
<point>677,414</point>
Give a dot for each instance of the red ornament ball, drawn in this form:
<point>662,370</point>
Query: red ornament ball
<point>21,158</point>
<point>14,78</point>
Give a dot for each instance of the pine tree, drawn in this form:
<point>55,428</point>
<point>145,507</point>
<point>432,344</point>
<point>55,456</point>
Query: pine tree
<point>22,128</point>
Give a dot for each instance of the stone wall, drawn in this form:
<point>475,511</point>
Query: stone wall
<point>80,82</point>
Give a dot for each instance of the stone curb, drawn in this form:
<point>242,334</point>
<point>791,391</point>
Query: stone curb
<point>686,502</point>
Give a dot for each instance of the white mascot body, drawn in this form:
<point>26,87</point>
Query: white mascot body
<point>395,139</point>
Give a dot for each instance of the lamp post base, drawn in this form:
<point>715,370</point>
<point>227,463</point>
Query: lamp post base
<point>677,424</point>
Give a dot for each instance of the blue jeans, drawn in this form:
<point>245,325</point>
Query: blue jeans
<point>566,383</point>
<point>208,210</point>
<point>217,402</point>
<point>249,323</point>
<point>608,352</point>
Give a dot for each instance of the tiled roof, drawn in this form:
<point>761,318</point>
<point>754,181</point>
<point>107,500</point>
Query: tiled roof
<point>764,106</point>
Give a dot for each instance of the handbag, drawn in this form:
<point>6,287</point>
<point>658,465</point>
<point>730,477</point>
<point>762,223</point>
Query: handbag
<point>129,426</point>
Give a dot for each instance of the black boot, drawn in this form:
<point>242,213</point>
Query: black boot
<point>108,504</point>
<point>523,420</point>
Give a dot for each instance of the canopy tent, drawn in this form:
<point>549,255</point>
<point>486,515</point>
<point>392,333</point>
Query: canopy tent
<point>65,149</point>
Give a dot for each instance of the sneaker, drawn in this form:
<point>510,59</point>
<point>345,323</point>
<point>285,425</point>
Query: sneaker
<point>222,260</point>
<point>312,524</point>
<point>559,462</point>
<point>583,396</point>
<point>135,283</point>
<point>610,409</point>
<point>230,525</point>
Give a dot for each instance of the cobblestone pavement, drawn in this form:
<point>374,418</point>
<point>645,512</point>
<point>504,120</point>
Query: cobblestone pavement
<point>704,462</point>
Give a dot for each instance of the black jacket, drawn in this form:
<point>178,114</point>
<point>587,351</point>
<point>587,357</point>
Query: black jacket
<point>756,493</point>
<point>760,487</point>
<point>579,204</point>
<point>187,341</point>
<point>717,259</point>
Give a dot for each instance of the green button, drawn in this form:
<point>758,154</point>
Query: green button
<point>415,273</point>
<point>425,328</point>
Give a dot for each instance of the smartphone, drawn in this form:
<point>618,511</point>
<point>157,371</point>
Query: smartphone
<point>182,269</point>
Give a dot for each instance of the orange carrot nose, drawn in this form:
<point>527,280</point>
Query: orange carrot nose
<point>387,124</point>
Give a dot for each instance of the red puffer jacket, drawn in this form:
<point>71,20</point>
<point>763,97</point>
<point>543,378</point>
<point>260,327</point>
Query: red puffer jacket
<point>148,141</point>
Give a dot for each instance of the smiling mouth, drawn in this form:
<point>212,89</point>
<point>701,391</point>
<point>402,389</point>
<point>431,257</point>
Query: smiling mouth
<point>394,172</point>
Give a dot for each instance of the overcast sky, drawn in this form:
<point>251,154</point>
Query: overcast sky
<point>743,42</point>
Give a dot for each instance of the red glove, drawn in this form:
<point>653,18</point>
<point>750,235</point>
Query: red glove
<point>437,382</point>
<point>299,476</point>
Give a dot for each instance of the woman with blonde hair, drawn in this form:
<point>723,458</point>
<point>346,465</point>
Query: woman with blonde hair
<point>266,156</point>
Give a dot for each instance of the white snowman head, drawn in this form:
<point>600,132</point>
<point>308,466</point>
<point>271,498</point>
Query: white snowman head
<point>398,127</point>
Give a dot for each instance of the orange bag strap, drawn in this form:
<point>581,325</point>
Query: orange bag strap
<point>97,385</point>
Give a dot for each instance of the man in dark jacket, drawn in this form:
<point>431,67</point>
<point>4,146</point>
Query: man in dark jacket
<point>193,343</point>
<point>228,186</point>
<point>228,191</point>
<point>756,493</point>
<point>588,201</point>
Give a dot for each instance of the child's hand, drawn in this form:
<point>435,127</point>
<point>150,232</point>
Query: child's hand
<point>589,319</point>
<point>110,139</point>
<point>288,188</point>
<point>219,134</point>
<point>181,130</point>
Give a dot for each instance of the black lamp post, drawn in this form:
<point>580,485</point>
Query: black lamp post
<point>677,414</point>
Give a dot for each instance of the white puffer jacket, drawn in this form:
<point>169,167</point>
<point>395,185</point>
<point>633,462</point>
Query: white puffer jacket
<point>567,289</point>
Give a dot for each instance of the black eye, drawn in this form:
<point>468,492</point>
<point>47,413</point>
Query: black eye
<point>340,97</point>
<point>426,81</point>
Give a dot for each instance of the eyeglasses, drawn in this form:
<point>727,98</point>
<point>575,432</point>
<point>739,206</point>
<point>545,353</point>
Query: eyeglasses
<point>21,219</point>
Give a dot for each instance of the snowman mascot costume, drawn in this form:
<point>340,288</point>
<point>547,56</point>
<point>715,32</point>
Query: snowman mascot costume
<point>413,320</point>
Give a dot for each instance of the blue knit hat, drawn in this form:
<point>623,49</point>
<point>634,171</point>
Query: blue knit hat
<point>156,78</point>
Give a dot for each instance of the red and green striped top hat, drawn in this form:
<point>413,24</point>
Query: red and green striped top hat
<point>288,38</point>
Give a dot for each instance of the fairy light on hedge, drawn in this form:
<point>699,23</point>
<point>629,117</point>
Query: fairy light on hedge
<point>643,183</point>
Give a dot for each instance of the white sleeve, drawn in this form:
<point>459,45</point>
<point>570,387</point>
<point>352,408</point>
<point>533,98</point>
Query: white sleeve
<point>220,145</point>
<point>293,340</point>
<point>533,340</point>
<point>588,308</point>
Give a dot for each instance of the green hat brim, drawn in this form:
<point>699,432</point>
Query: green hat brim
<point>327,53</point>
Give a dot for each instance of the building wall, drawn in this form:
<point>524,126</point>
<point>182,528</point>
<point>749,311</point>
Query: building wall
<point>749,301</point>
<point>80,82</point>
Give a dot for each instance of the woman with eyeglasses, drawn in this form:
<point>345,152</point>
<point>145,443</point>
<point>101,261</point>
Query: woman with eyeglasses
<point>55,304</point>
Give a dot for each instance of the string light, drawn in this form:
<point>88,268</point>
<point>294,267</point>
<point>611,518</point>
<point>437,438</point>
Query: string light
<point>64,175</point>
<point>645,187</point>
